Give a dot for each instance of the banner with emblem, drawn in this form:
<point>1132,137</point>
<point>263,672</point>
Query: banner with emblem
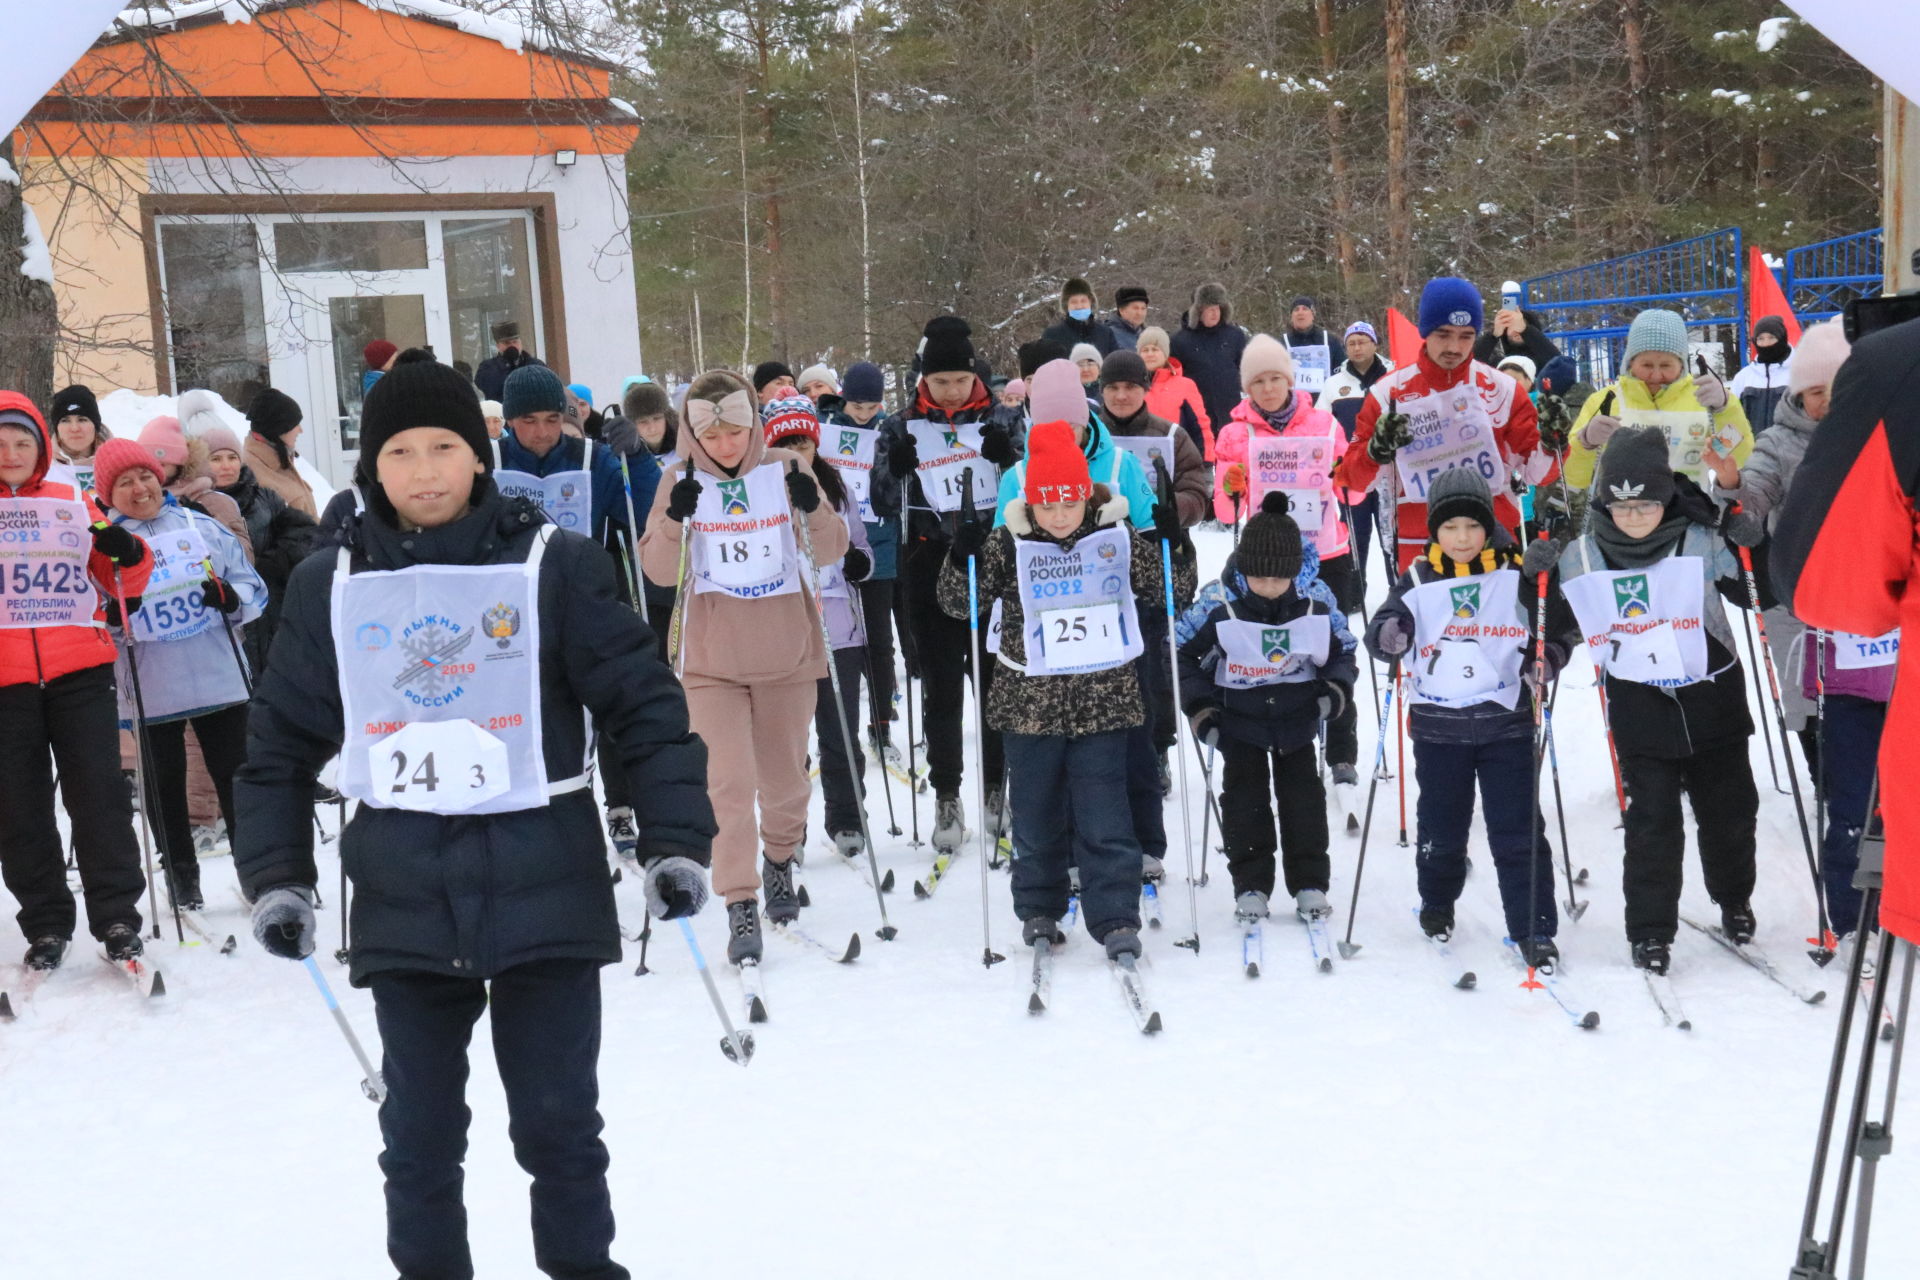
<point>1470,640</point>
<point>44,545</point>
<point>1253,654</point>
<point>850,450</point>
<point>948,454</point>
<point>1645,624</point>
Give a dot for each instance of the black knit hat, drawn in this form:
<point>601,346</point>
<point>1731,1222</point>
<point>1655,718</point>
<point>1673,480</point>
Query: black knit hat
<point>766,371</point>
<point>1074,288</point>
<point>947,351</point>
<point>1635,468</point>
<point>1270,544</point>
<point>74,399</point>
<point>1038,352</point>
<point>1124,365</point>
<point>1459,492</point>
<point>1129,293</point>
<point>419,394</point>
<point>273,413</point>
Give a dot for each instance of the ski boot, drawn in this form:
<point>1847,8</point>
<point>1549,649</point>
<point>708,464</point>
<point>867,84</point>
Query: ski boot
<point>994,816</point>
<point>1124,941</point>
<point>1346,796</point>
<point>1250,907</point>
<point>123,943</point>
<point>743,931</point>
<point>1038,927</point>
<point>184,886</point>
<point>849,844</point>
<point>1311,905</point>
<point>624,835</point>
<point>776,882</point>
<point>1436,922</point>
<point>1843,953</point>
<point>1539,953</point>
<point>1152,870</point>
<point>1653,955</point>
<point>206,840</point>
<point>1165,773</point>
<point>46,952</point>
<point>1738,924</point>
<point>949,823</point>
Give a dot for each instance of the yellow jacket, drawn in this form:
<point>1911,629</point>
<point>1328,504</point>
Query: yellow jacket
<point>1631,393</point>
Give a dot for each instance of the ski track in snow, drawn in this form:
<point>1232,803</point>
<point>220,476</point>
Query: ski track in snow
<point>905,1115</point>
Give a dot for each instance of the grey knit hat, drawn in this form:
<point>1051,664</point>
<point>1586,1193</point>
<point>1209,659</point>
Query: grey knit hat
<point>1635,468</point>
<point>1657,330</point>
<point>1459,492</point>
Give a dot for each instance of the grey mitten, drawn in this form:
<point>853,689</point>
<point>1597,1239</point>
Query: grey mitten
<point>1392,638</point>
<point>1542,554</point>
<point>1332,701</point>
<point>675,887</point>
<point>1743,529</point>
<point>1206,726</point>
<point>283,921</point>
<point>1599,429</point>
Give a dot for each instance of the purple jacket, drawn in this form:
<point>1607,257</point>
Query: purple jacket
<point>1872,683</point>
<point>845,622</point>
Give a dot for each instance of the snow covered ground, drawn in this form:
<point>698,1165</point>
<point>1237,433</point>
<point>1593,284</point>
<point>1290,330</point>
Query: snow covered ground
<point>905,1116</point>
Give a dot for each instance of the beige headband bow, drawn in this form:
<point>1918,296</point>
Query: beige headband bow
<point>735,408</point>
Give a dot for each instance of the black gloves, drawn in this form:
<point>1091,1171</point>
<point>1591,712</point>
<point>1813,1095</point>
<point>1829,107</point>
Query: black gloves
<point>1167,526</point>
<point>117,545</point>
<point>996,446</point>
<point>803,491</point>
<point>969,538</point>
<point>683,498</point>
<point>1206,726</point>
<point>902,457</point>
<point>1391,433</point>
<point>219,595</point>
<point>113,610</point>
<point>1541,555</point>
<point>857,565</point>
<point>1333,699</point>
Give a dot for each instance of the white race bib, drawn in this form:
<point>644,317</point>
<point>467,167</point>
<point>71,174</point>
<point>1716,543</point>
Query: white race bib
<point>174,605</point>
<point>566,496</point>
<point>1857,653</point>
<point>948,455</point>
<point>1298,468</point>
<point>1645,624</point>
<point>439,669</point>
<point>1078,604</point>
<point>44,545</point>
<point>1255,654</point>
<point>1311,366</point>
<point>743,540</point>
<point>1689,434</point>
<point>1469,640</point>
<point>1150,450</point>
<point>1450,429</point>
<point>850,450</point>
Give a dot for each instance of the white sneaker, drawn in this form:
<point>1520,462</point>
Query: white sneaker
<point>1250,907</point>
<point>1311,904</point>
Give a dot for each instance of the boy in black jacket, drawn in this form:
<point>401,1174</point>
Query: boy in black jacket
<point>1462,619</point>
<point>470,642</point>
<point>1265,658</point>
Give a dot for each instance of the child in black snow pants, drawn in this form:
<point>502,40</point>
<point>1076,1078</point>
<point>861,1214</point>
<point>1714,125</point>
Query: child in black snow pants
<point>1461,621</point>
<point>1265,659</point>
<point>1641,581</point>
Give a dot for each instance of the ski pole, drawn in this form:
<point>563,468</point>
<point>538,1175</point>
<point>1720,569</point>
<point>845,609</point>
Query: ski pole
<point>1819,769</point>
<point>737,1047</point>
<point>677,624</point>
<point>1576,907</point>
<point>886,932</point>
<point>988,956</point>
<point>908,662</point>
<point>1613,755</point>
<point>147,798</point>
<point>1400,749</point>
<point>1206,815</point>
<point>371,1083</point>
<point>1348,947</point>
<point>633,545</point>
<point>233,646</point>
<point>1534,821</point>
<point>1822,953</point>
<point>879,744</point>
<point>1164,499</point>
<point>1766,729</point>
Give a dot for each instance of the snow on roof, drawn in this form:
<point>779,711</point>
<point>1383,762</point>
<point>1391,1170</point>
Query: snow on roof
<point>125,412</point>
<point>504,28</point>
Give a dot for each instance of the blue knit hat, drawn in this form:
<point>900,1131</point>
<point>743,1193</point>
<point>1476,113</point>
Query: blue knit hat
<point>1657,330</point>
<point>533,388</point>
<point>864,384</point>
<point>1449,300</point>
<point>582,390</point>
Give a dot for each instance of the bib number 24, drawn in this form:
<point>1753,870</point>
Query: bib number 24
<point>443,766</point>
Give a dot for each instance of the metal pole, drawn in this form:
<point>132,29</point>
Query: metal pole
<point>371,1082</point>
<point>737,1047</point>
<point>1348,947</point>
<point>1766,728</point>
<point>988,956</point>
<point>633,545</point>
<point>1186,816</point>
<point>147,818</point>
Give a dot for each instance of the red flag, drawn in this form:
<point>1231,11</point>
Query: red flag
<point>1403,340</point>
<point>1765,298</point>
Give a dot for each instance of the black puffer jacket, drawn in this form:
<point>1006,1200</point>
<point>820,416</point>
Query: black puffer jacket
<point>282,537</point>
<point>472,896</point>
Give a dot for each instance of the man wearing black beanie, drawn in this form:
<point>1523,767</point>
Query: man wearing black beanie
<point>771,380</point>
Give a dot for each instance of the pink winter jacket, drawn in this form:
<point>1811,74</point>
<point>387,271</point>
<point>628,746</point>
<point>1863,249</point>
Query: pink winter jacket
<point>1230,447</point>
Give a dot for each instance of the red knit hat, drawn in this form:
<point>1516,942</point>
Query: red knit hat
<point>118,455</point>
<point>1056,468</point>
<point>377,353</point>
<point>792,415</point>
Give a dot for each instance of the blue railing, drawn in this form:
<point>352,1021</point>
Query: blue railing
<point>1820,279</point>
<point>1588,309</point>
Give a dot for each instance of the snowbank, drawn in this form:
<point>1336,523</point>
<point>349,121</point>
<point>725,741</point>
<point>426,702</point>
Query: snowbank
<point>125,412</point>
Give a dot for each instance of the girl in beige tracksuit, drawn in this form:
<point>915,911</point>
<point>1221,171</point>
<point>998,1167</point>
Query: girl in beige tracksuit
<point>749,644</point>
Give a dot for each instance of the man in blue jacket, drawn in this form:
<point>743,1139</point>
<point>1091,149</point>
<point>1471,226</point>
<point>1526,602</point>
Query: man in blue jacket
<point>536,446</point>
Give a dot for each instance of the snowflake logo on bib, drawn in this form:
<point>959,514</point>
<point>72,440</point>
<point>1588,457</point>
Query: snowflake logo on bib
<point>1465,600</point>
<point>849,444</point>
<point>733,497</point>
<point>431,644</point>
<point>501,623</point>
<point>1276,644</point>
<point>1632,597</point>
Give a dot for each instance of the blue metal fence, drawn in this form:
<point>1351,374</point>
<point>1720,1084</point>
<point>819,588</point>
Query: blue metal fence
<point>1820,279</point>
<point>1588,309</point>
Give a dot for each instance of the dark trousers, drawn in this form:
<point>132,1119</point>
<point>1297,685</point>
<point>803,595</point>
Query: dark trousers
<point>72,716</point>
<point>1246,817</point>
<point>876,612</point>
<point>545,1017</point>
<point>1145,804</point>
<point>1852,727</point>
<point>1718,783</point>
<point>836,775</point>
<point>1446,772</point>
<point>1069,804</point>
<point>1156,678</point>
<point>222,736</point>
<point>943,646</point>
